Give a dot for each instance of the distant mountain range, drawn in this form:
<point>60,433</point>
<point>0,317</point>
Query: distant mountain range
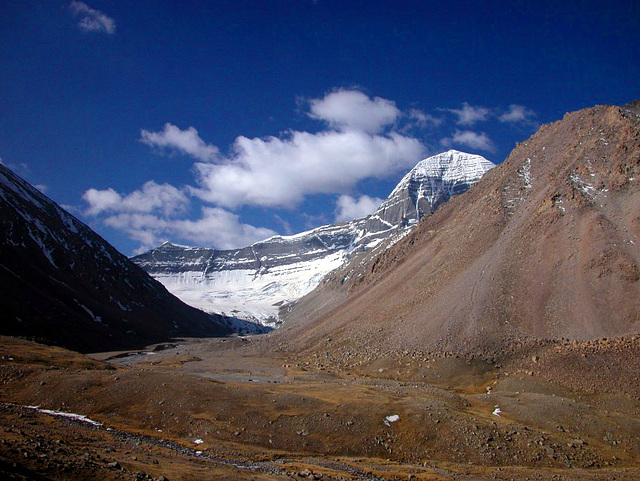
<point>545,246</point>
<point>63,284</point>
<point>257,281</point>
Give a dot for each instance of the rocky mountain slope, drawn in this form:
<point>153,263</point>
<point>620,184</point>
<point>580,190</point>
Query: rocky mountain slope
<point>546,245</point>
<point>63,284</point>
<point>255,282</point>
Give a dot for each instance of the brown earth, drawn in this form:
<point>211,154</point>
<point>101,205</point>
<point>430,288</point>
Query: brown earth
<point>544,246</point>
<point>286,417</point>
<point>501,335</point>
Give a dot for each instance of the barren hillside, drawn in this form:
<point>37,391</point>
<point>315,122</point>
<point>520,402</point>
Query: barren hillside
<point>546,245</point>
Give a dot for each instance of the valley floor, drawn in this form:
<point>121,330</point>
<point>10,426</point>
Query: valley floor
<point>216,409</point>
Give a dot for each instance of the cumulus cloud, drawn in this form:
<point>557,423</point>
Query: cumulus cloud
<point>157,212</point>
<point>349,208</point>
<point>517,114</point>
<point>469,114</point>
<point>360,142</point>
<point>225,227</point>
<point>153,197</point>
<point>422,119</point>
<point>353,110</point>
<point>183,141</point>
<point>280,172</point>
<point>216,227</point>
<point>144,228</point>
<point>470,139</point>
<point>92,20</point>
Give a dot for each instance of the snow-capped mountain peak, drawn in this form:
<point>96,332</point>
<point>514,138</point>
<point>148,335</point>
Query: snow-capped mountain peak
<point>450,166</point>
<point>256,281</point>
<point>430,183</point>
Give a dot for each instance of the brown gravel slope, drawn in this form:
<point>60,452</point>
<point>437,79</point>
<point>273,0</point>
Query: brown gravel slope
<point>204,409</point>
<point>546,245</point>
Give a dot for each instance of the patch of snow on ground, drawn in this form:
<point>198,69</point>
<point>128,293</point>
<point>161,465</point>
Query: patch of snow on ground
<point>391,419</point>
<point>245,294</point>
<point>97,319</point>
<point>587,189</point>
<point>45,250</point>
<point>120,305</point>
<point>76,417</point>
<point>525,173</point>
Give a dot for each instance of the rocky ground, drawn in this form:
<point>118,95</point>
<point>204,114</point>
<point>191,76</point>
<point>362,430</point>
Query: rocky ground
<point>215,409</point>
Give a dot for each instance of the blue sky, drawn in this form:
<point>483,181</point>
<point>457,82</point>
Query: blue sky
<point>220,123</point>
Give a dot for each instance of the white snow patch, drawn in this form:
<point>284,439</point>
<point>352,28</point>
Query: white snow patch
<point>68,221</point>
<point>120,305</point>
<point>97,319</point>
<point>77,417</point>
<point>496,411</point>
<point>525,173</point>
<point>589,190</point>
<point>45,250</point>
<point>391,419</point>
<point>198,441</point>
<point>249,294</point>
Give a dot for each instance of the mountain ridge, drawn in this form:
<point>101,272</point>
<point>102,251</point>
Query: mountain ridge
<point>544,246</point>
<point>256,282</point>
<point>64,284</point>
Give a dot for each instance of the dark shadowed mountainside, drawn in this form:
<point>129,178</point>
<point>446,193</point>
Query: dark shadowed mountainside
<point>63,284</point>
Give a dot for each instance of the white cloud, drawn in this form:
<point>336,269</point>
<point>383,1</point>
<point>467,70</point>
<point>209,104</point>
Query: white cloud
<point>469,115</point>
<point>153,197</point>
<point>221,228</point>
<point>353,110</point>
<point>101,200</point>
<point>144,228</point>
<point>280,172</point>
<point>470,139</point>
<point>286,225</point>
<point>184,141</point>
<point>159,211</point>
<point>267,172</point>
<point>422,119</point>
<point>42,188</point>
<point>518,114</point>
<point>349,208</point>
<point>92,20</point>
<point>216,227</point>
